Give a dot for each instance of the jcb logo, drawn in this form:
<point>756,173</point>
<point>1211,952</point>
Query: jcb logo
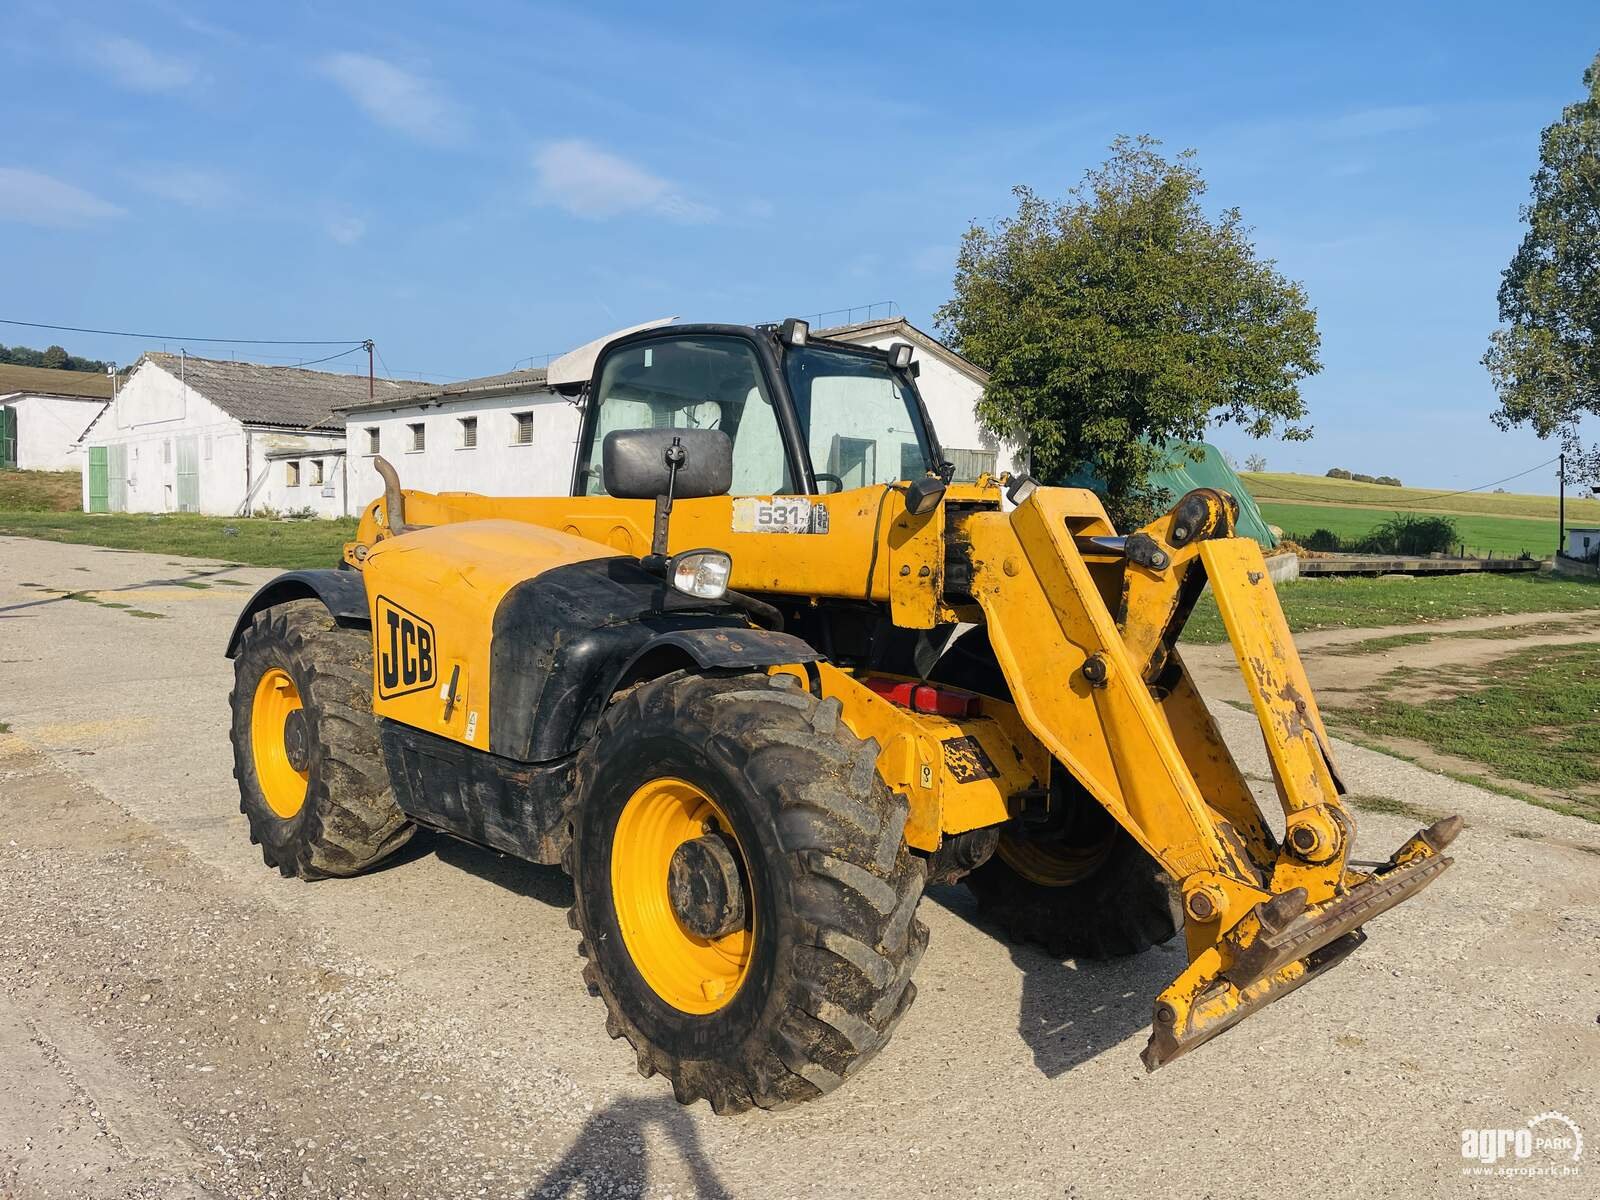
<point>405,651</point>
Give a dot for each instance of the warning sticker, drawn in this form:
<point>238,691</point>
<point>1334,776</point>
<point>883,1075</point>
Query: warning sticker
<point>780,514</point>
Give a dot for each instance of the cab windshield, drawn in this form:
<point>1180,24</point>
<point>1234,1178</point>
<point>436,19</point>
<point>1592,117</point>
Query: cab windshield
<point>860,420</point>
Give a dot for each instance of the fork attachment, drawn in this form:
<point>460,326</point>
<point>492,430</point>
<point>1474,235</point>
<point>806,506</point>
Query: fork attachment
<point>1085,626</point>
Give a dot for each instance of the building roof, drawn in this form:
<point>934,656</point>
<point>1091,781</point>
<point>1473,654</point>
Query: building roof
<point>507,383</point>
<point>46,381</point>
<point>290,396</point>
<point>863,331</point>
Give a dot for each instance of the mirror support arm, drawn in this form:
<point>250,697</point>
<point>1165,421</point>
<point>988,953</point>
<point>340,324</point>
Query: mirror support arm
<point>675,458</point>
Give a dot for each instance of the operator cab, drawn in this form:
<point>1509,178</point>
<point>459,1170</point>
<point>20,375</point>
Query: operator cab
<point>804,416</point>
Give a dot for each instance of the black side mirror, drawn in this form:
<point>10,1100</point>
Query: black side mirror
<point>636,463</point>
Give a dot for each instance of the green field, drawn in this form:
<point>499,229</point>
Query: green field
<point>1344,492</point>
<point>255,541</point>
<point>1482,534</point>
<point>1527,717</point>
<point>1357,602</point>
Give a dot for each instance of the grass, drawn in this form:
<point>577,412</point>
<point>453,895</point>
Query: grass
<point>255,541</point>
<point>1364,603</point>
<point>1483,535</point>
<point>41,491</point>
<point>1394,808</point>
<point>1530,718</point>
<point>1344,492</point>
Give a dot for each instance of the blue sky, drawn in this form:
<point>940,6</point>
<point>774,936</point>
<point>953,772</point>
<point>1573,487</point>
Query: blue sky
<point>471,185</point>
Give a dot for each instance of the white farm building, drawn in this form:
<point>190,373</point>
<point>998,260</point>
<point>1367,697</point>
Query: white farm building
<point>204,435</point>
<point>230,438</point>
<point>513,435</point>
<point>501,435</point>
<point>43,413</point>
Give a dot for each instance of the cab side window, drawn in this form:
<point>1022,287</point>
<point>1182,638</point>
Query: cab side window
<point>691,383</point>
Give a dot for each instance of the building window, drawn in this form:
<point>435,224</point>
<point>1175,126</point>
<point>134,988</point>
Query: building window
<point>208,447</point>
<point>419,436</point>
<point>970,464</point>
<point>291,474</point>
<point>524,434</point>
<point>166,451</point>
<point>469,432</point>
<point>316,472</point>
<point>373,440</point>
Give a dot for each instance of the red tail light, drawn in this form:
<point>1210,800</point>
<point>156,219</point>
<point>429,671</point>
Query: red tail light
<point>925,697</point>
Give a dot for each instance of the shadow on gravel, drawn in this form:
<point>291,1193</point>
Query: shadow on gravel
<point>610,1156</point>
<point>193,578</point>
<point>1075,1010</point>
<point>548,885</point>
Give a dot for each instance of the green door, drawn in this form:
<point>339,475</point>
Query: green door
<point>97,479</point>
<point>117,477</point>
<point>187,492</point>
<point>8,437</point>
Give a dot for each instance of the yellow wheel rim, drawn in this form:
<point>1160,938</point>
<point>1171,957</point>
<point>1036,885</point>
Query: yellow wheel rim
<point>1052,864</point>
<point>283,786</point>
<point>691,973</point>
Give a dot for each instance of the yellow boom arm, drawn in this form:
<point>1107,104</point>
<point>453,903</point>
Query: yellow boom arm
<point>1103,688</point>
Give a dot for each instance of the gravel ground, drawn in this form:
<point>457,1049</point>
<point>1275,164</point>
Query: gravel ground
<point>178,1021</point>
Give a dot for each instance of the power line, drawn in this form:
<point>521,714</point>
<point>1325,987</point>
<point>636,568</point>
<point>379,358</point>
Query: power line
<point>331,357</point>
<point>1481,486</point>
<point>167,337</point>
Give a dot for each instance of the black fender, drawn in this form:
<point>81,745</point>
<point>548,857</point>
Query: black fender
<point>713,648</point>
<point>566,640</point>
<point>343,593</point>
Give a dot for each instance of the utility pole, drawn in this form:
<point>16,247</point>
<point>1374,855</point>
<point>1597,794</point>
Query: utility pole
<point>369,347</point>
<point>1561,504</point>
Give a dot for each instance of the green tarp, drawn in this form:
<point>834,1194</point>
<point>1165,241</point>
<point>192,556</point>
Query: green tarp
<point>1184,474</point>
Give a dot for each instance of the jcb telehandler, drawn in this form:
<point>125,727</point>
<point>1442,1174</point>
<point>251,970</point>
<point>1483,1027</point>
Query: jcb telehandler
<point>767,672</point>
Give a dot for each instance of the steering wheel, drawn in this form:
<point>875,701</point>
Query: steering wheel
<point>819,476</point>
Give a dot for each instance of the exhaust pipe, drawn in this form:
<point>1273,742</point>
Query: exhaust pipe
<point>394,501</point>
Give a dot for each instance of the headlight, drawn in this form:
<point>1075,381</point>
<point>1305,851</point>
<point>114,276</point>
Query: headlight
<point>701,573</point>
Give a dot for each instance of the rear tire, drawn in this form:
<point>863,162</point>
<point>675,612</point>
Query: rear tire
<point>1120,902</point>
<point>342,817</point>
<point>821,968</point>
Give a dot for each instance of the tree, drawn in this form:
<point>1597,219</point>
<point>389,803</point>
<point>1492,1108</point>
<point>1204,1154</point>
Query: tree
<point>53,356</point>
<point>1545,359</point>
<point>1122,317</point>
<point>1256,463</point>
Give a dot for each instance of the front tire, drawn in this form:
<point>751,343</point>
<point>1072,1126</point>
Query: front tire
<point>813,972</point>
<point>312,780</point>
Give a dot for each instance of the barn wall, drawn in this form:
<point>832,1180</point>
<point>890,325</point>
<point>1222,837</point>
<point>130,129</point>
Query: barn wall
<point>152,411</point>
<point>275,493</point>
<point>48,428</point>
<point>495,467</point>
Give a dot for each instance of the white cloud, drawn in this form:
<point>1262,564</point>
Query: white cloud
<point>136,66</point>
<point>346,230</point>
<point>192,187</point>
<point>595,184</point>
<point>33,198</point>
<point>1379,122</point>
<point>405,102</point>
